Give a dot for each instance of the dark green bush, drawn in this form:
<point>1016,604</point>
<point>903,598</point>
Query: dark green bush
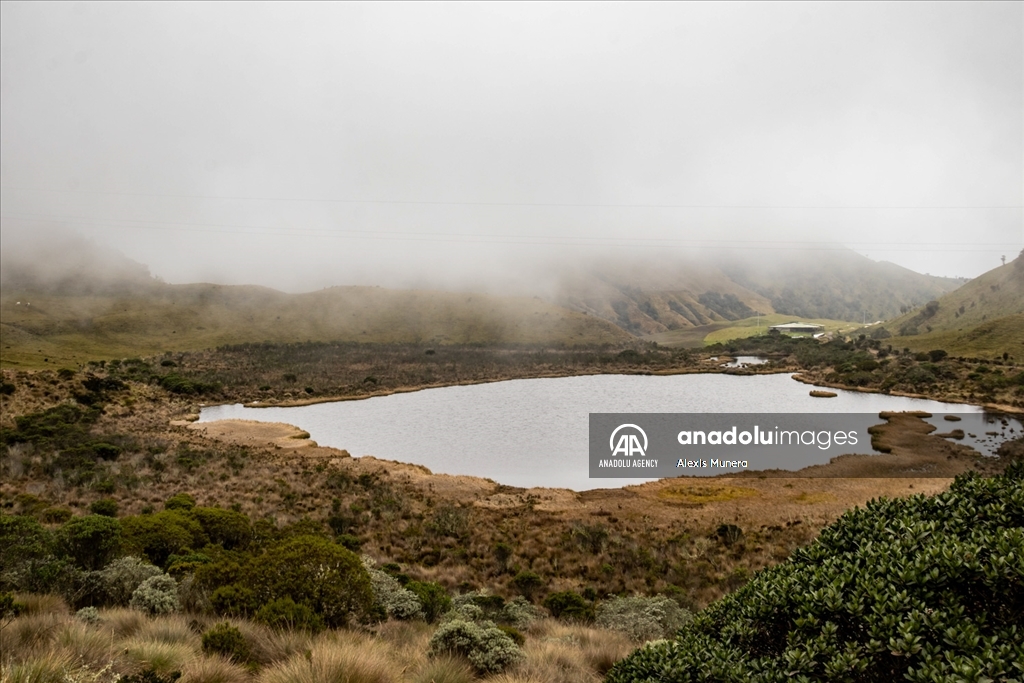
<point>90,541</point>
<point>180,501</point>
<point>915,589</point>
<point>432,596</point>
<point>176,384</point>
<point>106,507</point>
<point>56,515</point>
<point>230,529</point>
<point>225,639</point>
<point>527,583</point>
<point>316,572</point>
<point>285,613</point>
<point>234,600</point>
<point>569,605</point>
<point>162,534</point>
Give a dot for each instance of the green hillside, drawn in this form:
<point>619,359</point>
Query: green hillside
<point>692,296</point>
<point>696,337</point>
<point>984,318</point>
<point>990,339</point>
<point>43,329</point>
<point>995,294</point>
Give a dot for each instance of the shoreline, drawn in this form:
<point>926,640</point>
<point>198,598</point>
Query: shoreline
<point>296,403</point>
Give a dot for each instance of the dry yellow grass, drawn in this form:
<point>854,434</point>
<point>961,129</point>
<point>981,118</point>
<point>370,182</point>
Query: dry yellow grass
<point>59,648</point>
<point>213,669</point>
<point>337,658</point>
<point>163,658</point>
<point>694,493</point>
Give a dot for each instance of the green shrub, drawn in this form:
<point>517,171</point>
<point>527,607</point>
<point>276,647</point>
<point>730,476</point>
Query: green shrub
<point>176,384</point>
<point>234,600</point>
<point>56,515</point>
<point>487,648</point>
<point>180,501</point>
<point>89,615</point>
<point>162,534</point>
<point>527,583</point>
<point>228,528</point>
<point>433,598</point>
<point>9,607</point>
<point>107,507</point>
<point>285,613</point>
<point>22,540</point>
<point>518,612</point>
<point>390,598</point>
<point>642,618</point>
<point>122,577</point>
<point>316,572</point>
<point>225,639</point>
<point>157,595</point>
<point>913,589</point>
<point>90,541</point>
<point>569,605</point>
<point>181,565</point>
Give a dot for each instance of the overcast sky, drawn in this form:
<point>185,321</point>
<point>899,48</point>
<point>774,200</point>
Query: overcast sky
<point>305,145</point>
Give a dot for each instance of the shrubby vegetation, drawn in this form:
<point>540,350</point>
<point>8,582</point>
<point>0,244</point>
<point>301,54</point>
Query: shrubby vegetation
<point>642,618</point>
<point>918,589</point>
<point>872,363</point>
<point>466,633</point>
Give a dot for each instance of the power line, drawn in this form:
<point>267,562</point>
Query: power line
<point>498,238</point>
<point>400,202</point>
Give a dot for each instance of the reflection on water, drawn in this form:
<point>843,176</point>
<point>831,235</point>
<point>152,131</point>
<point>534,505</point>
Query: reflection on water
<point>533,432</point>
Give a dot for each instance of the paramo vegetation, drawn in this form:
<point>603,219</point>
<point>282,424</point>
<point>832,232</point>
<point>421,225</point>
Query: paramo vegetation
<point>242,581</point>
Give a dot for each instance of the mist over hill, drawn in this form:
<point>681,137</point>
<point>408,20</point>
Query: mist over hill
<point>651,296</point>
<point>72,298</point>
<point>68,263</point>
<point>995,294</point>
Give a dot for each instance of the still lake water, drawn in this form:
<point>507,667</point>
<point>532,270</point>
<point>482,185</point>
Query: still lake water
<point>534,432</point>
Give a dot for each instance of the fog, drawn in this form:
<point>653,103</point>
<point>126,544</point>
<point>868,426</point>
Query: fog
<point>307,145</point>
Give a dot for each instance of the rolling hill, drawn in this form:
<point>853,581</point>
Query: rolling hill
<point>984,318</point>
<point>660,295</point>
<point>43,328</point>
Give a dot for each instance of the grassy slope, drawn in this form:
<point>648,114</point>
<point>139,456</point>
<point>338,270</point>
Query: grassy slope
<point>668,293</point>
<point>984,318</point>
<point>991,339</point>
<point>738,329</point>
<point>72,329</point>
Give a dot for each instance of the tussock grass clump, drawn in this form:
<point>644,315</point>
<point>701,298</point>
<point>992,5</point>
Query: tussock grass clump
<point>122,622</point>
<point>41,604</point>
<point>173,629</point>
<point>163,658</point>
<point>570,652</point>
<point>87,645</point>
<point>49,667</point>
<point>28,632</point>
<point>337,658</point>
<point>446,670</point>
<point>213,669</point>
<point>268,646</point>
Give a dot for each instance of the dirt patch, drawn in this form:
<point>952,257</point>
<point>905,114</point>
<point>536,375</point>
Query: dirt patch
<point>252,433</point>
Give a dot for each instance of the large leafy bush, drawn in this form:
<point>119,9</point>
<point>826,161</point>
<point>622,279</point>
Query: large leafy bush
<point>916,589</point>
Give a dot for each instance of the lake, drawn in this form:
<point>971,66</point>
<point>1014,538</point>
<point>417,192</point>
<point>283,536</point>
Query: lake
<point>534,432</point>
